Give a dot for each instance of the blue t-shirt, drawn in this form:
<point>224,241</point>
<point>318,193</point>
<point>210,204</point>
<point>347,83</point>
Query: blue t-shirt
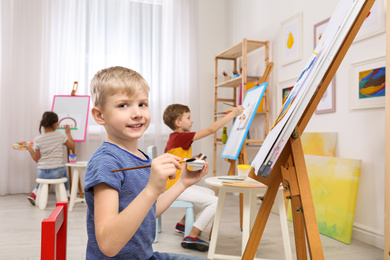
<point>128,184</point>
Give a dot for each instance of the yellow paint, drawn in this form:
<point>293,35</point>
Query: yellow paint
<point>290,41</point>
<point>370,90</point>
<point>316,143</point>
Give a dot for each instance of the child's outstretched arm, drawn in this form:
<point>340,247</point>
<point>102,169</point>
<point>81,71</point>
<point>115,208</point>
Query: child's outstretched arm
<point>218,124</point>
<point>187,178</point>
<point>113,230</point>
<point>35,154</point>
<point>69,143</point>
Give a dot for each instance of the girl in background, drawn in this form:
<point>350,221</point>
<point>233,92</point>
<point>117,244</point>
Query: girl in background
<point>47,151</point>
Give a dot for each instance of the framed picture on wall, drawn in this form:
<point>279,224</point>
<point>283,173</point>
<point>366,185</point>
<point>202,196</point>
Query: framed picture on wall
<point>284,89</point>
<point>328,101</point>
<point>368,86</point>
<point>291,35</point>
<point>374,22</point>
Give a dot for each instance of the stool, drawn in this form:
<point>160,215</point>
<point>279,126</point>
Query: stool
<point>189,217</point>
<point>43,191</point>
<point>249,214</point>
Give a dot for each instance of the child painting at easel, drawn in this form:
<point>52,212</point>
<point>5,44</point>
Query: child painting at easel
<point>47,151</point>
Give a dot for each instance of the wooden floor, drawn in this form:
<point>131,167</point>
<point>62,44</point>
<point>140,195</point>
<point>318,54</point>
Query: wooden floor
<point>20,228</point>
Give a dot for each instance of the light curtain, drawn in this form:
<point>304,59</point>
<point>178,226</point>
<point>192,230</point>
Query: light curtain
<point>46,45</point>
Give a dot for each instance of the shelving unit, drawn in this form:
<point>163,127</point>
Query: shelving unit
<point>233,54</point>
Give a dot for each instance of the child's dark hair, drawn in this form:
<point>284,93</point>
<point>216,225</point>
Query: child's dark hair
<point>173,112</point>
<point>48,120</point>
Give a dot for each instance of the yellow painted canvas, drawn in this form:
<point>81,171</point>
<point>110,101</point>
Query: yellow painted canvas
<point>317,143</point>
<point>334,185</point>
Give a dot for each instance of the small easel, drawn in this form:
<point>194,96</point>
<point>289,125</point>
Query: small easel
<point>73,93</point>
<point>242,156</point>
<point>290,169</point>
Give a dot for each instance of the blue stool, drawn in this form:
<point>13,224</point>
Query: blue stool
<point>189,217</point>
<point>152,153</point>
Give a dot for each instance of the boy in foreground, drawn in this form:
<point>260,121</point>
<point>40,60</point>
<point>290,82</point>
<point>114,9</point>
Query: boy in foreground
<point>123,205</point>
<point>178,118</point>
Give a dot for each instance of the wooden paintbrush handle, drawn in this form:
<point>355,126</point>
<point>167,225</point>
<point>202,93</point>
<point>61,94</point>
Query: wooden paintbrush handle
<point>132,168</point>
<point>139,167</point>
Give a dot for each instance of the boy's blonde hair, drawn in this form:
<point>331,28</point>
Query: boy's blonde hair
<point>173,112</point>
<point>111,81</point>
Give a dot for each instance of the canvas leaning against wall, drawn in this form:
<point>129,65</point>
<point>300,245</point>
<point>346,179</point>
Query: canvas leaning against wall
<point>334,184</point>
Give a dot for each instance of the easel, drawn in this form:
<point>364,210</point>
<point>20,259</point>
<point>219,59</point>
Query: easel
<point>290,169</point>
<point>242,157</point>
<point>69,151</point>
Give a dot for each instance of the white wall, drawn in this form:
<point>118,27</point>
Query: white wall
<point>360,132</point>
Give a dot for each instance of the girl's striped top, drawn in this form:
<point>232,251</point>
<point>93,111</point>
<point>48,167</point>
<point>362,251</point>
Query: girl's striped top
<point>50,147</point>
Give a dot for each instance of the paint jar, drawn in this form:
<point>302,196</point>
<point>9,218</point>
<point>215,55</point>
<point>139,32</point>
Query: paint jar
<point>224,135</point>
<point>243,171</point>
<point>72,158</point>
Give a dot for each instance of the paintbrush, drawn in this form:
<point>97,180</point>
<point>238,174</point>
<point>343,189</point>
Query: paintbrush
<point>148,165</point>
<point>228,104</point>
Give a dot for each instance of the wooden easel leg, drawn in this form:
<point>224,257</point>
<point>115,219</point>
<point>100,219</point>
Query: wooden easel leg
<point>262,217</point>
<point>299,228</point>
<point>312,231</point>
<point>232,168</point>
<point>242,159</point>
<point>69,168</point>
<point>291,187</point>
<point>291,168</point>
<point>81,194</point>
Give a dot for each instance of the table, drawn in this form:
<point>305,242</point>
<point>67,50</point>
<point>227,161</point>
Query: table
<point>249,214</point>
<point>78,166</point>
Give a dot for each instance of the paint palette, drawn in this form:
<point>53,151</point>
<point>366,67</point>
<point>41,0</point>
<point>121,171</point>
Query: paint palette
<point>198,163</point>
<point>22,145</point>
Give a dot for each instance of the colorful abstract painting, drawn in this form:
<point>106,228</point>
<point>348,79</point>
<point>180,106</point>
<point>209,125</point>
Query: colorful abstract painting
<point>285,93</point>
<point>319,143</point>
<point>334,185</point>
<point>368,85</point>
<point>372,83</point>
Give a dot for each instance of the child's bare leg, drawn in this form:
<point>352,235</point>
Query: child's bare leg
<point>183,220</point>
<point>195,232</point>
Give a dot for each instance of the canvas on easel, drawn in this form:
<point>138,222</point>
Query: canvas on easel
<point>73,111</point>
<point>243,122</point>
<point>307,84</point>
<point>281,158</point>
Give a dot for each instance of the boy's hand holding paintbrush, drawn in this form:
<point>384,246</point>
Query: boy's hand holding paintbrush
<point>164,167</point>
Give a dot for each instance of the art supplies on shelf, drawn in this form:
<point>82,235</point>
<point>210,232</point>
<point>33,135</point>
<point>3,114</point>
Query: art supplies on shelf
<point>224,135</point>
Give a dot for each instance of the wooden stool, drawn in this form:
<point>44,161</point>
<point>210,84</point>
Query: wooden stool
<point>43,191</point>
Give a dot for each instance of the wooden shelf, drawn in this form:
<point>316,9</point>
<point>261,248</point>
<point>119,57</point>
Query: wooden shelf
<point>235,51</point>
<point>232,55</point>
<point>235,82</point>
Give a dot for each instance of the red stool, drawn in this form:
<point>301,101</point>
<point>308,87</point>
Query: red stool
<point>54,229</point>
